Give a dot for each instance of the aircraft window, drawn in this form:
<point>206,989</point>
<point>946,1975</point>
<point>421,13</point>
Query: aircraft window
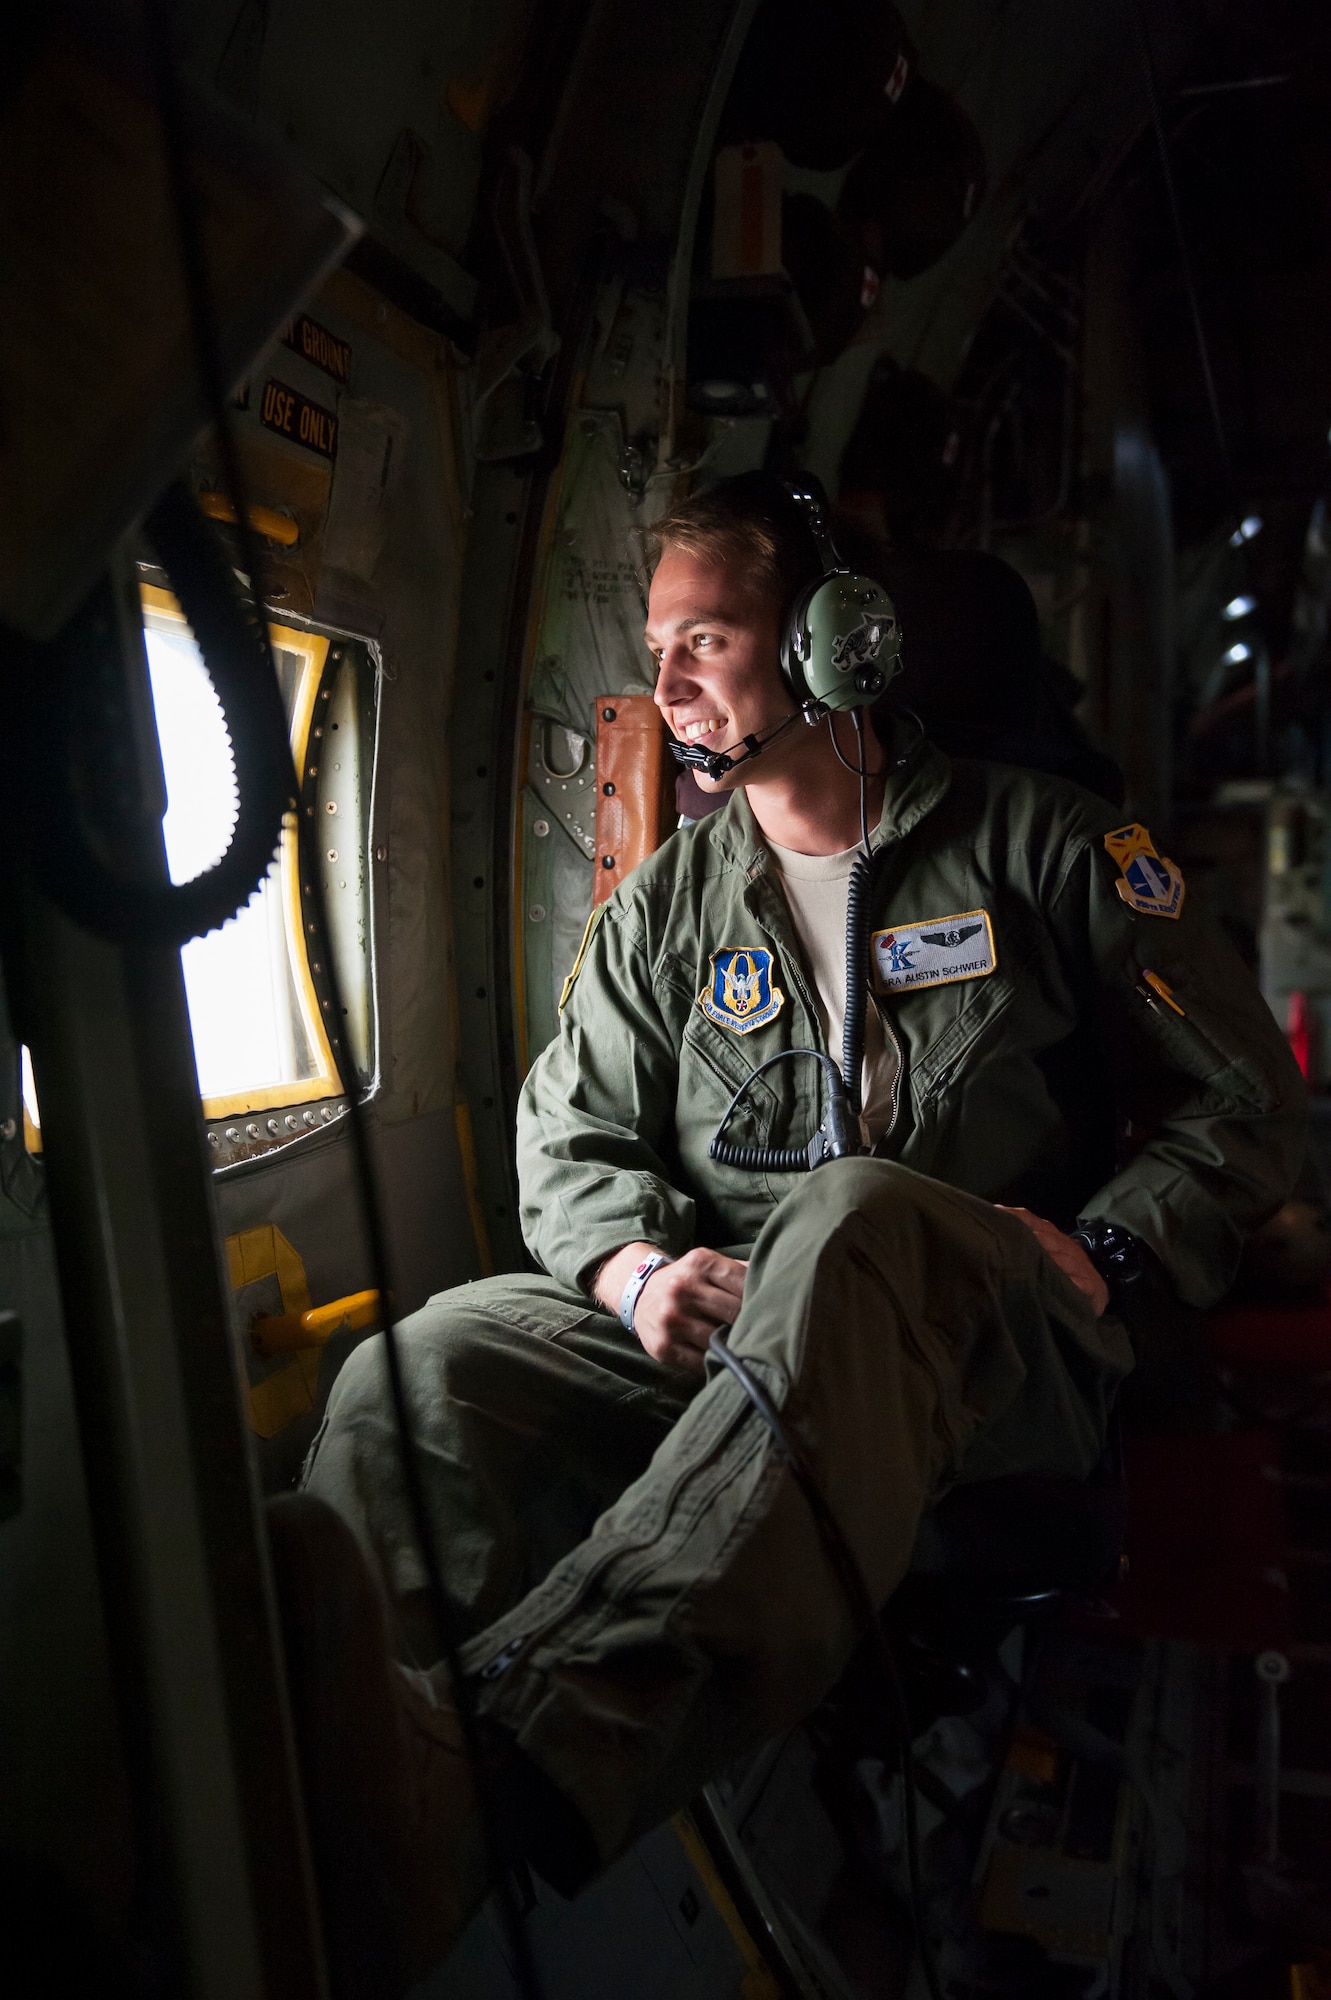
<point>254,1000</point>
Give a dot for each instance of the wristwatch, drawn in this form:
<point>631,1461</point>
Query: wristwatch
<point>1116,1254</point>
<point>628,1298</point>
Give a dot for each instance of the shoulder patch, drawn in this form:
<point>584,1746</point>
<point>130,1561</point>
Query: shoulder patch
<point>740,994</point>
<point>938,951</point>
<point>1146,880</point>
<point>592,921</point>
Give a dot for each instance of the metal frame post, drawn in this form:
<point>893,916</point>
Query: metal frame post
<point>176,1510</point>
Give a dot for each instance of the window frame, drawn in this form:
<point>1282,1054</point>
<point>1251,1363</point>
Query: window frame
<point>313,647</point>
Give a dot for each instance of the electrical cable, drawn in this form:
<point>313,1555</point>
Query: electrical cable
<point>857,718</point>
<point>859,898</point>
<point>850,1577</point>
<point>859,770</point>
<point>208,361</point>
<point>832,1140</point>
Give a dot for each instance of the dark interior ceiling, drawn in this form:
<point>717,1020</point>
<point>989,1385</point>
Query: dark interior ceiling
<point>1249,127</point>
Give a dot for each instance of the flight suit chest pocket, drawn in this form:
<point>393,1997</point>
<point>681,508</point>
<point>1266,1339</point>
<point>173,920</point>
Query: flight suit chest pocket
<point>714,1064</point>
<point>964,1041</point>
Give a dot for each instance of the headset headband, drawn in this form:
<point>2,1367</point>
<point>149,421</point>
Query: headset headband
<point>808,495</point>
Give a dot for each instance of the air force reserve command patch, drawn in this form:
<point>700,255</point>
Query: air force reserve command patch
<point>936,952</point>
<point>740,994</point>
<point>1146,881</point>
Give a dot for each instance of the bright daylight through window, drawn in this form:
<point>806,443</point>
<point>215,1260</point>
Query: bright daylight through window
<point>258,1038</point>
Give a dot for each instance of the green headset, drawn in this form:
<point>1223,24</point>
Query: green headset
<point>842,643</point>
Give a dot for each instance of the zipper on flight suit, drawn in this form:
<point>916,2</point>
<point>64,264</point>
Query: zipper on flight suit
<point>710,1471</point>
<point>892,1036</point>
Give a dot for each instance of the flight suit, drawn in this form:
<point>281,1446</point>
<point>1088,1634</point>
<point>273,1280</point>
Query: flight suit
<point>644,1585</point>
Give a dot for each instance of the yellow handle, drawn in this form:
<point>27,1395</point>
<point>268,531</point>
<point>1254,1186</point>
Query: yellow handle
<point>264,520</point>
<point>281,1333</point>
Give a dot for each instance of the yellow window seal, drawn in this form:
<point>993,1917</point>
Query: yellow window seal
<point>1166,993</point>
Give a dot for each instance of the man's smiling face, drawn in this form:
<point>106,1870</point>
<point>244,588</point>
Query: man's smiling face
<point>716,644</point>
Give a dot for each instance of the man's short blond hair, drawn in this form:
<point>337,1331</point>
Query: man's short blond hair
<point>749,522</point>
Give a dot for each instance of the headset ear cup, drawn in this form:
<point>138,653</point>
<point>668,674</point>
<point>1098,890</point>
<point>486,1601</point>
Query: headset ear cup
<point>797,642</point>
<point>850,641</point>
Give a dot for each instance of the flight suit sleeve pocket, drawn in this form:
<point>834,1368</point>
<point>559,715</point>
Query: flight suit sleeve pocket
<point>1195,1039</point>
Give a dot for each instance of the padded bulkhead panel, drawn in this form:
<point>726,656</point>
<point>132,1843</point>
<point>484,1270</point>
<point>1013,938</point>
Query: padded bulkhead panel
<point>587,644</point>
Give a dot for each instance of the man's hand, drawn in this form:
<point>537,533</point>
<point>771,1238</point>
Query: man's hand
<point>1070,1258</point>
<point>680,1305</point>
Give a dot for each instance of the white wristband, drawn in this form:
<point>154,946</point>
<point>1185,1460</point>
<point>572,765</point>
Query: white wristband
<point>628,1298</point>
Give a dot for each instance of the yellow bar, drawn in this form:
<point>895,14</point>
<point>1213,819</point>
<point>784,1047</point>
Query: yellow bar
<point>758,1981</point>
<point>283,1333</point>
<point>264,520</point>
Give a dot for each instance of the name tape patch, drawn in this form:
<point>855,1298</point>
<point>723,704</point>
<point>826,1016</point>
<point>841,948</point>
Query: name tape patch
<point>936,952</point>
<point>740,994</point>
<point>1146,881</point>
<point>296,417</point>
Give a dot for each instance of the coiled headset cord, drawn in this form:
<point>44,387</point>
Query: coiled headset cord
<point>838,1135</point>
<point>850,1576</point>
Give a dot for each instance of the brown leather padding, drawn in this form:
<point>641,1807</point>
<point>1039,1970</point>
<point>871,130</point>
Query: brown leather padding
<point>635,786</point>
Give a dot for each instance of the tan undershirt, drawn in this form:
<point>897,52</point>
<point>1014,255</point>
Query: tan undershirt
<point>816,887</point>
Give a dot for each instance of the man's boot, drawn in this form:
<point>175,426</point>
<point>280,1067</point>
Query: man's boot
<point>389,1793</point>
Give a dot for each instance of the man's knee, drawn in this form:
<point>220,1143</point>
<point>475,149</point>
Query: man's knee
<point>434,1346</point>
<point>895,1202</point>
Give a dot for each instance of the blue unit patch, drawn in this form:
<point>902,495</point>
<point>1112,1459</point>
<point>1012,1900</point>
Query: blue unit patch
<point>740,994</point>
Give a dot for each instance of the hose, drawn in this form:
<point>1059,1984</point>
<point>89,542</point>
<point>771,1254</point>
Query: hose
<point>832,1141</point>
<point>71,867</point>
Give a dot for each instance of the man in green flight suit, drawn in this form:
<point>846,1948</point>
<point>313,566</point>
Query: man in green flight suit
<point>643,1587</point>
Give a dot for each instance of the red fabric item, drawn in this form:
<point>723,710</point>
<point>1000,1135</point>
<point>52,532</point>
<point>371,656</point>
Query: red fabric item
<point>1299,1030</point>
<point>1293,1337</point>
<point>1206,1542</point>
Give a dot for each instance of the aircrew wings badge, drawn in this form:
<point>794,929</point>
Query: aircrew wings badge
<point>740,994</point>
<point>1146,881</point>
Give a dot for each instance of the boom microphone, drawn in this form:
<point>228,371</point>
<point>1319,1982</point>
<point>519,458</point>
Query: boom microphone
<point>717,762</point>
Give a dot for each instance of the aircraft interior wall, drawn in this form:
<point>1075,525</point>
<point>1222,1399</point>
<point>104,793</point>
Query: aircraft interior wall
<point>458,444</point>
